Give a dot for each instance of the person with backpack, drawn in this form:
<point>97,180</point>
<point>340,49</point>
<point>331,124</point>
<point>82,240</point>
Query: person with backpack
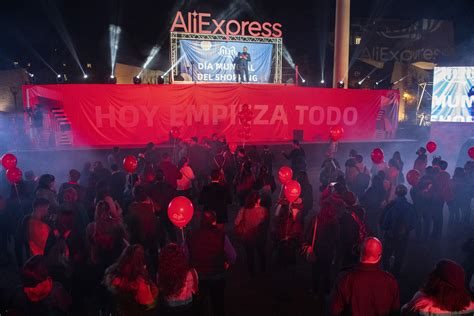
<point>397,221</point>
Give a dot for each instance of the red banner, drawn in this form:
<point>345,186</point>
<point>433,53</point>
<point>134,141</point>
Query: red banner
<point>104,115</point>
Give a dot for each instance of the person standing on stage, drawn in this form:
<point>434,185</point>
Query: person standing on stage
<point>243,65</point>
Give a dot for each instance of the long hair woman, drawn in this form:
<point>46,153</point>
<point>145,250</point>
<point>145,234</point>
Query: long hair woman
<point>177,282</point>
<point>443,293</point>
<point>133,290</point>
<point>102,193</point>
<point>252,221</point>
<point>105,236</point>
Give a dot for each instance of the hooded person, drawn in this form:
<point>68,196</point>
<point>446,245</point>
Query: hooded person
<point>443,293</point>
<point>39,294</point>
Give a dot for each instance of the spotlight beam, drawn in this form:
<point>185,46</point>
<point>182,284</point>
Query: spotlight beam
<point>368,75</point>
<point>151,56</point>
<point>56,19</point>
<point>172,66</point>
<point>401,79</point>
<point>28,46</point>
<point>114,38</point>
<point>255,13</point>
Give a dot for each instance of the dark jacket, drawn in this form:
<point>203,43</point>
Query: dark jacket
<point>81,191</point>
<point>57,302</point>
<point>216,197</point>
<point>298,160</point>
<point>171,172</point>
<point>365,290</point>
<point>327,239</point>
<point>398,218</point>
<point>206,252</point>
<point>200,160</point>
<point>143,226</point>
<point>161,194</point>
<point>349,239</point>
<point>117,185</point>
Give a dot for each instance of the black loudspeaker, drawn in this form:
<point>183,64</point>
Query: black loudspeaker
<point>298,135</point>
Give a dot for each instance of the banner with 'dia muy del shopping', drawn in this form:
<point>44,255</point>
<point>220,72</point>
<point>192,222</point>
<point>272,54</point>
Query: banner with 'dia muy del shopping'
<point>213,61</point>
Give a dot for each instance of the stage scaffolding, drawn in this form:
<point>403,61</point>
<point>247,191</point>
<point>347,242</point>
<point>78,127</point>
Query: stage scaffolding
<point>277,42</point>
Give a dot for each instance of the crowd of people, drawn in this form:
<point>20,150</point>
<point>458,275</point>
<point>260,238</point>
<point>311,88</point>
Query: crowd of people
<point>103,243</point>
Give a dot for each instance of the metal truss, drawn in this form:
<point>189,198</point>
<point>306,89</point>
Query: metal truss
<point>175,37</point>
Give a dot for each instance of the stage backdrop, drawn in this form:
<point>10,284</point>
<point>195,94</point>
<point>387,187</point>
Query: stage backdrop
<point>214,61</point>
<point>106,115</point>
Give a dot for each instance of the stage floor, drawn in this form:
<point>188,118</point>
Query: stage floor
<point>258,144</point>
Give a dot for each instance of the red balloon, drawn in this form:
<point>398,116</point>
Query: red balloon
<point>247,135</point>
<point>180,211</point>
<point>174,132</point>
<point>292,190</point>
<point>377,156</point>
<point>247,128</point>
<point>285,174</point>
<point>232,147</point>
<point>14,175</point>
<point>130,163</point>
<point>413,177</point>
<point>335,132</point>
<point>431,146</point>
<point>241,134</point>
<point>470,152</point>
<point>9,161</point>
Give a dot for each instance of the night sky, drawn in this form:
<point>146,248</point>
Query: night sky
<point>26,25</point>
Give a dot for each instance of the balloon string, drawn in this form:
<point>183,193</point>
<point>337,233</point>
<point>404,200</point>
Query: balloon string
<point>288,222</point>
<point>182,235</point>
<point>17,194</point>
<point>174,154</point>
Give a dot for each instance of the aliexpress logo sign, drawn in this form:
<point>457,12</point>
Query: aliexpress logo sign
<point>203,23</point>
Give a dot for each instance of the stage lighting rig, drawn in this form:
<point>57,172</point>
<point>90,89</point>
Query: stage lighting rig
<point>137,80</point>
